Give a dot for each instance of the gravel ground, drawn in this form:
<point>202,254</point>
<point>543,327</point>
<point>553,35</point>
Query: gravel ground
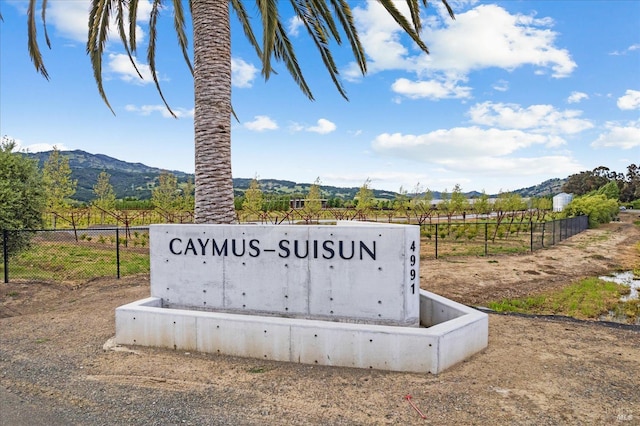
<point>55,370</point>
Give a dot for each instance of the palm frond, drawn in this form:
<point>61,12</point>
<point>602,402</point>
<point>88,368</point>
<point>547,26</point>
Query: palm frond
<point>446,5</point>
<point>96,41</point>
<point>449,9</point>
<point>314,21</point>
<point>414,11</point>
<point>241,13</point>
<point>133,15</point>
<point>34,48</point>
<point>151,50</point>
<point>178,22</point>
<point>323,15</point>
<point>44,23</point>
<point>270,23</point>
<point>283,50</point>
<point>401,20</point>
<point>343,12</point>
<point>123,35</point>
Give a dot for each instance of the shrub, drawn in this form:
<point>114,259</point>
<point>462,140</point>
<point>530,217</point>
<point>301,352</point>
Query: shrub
<point>598,208</point>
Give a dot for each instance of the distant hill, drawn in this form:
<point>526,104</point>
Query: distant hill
<point>136,180</point>
<point>547,188</point>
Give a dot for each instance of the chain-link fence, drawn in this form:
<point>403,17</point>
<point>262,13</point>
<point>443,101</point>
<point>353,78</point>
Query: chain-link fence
<point>74,255</point>
<point>488,238</point>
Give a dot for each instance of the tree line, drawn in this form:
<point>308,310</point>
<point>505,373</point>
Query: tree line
<point>29,194</point>
<point>628,185</point>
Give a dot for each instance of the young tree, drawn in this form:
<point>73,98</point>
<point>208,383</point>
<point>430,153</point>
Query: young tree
<point>481,206</point>
<point>313,201</point>
<point>103,190</point>
<point>59,186</point>
<point>445,205</point>
<point>212,66</point>
<point>421,204</point>
<point>186,200</point>
<point>610,190</point>
<point>365,199</point>
<point>165,195</point>
<point>459,203</point>
<point>401,203</point>
<point>253,198</point>
<point>22,197</point>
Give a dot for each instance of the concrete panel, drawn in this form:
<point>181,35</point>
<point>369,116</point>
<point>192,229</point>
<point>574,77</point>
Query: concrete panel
<point>184,270</point>
<point>432,349</point>
<point>356,273</point>
<point>153,327</point>
<point>242,335</point>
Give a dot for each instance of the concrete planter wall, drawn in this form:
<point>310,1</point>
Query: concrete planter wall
<point>345,295</point>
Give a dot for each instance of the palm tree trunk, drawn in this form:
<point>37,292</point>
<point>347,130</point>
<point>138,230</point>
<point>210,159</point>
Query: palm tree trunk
<point>212,119</point>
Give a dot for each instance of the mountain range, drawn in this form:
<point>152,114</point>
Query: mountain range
<point>137,180</point>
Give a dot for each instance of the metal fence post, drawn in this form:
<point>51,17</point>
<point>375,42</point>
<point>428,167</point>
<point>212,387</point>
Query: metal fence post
<point>437,240</point>
<point>118,252</point>
<point>531,225</point>
<point>486,238</point>
<point>5,254</point>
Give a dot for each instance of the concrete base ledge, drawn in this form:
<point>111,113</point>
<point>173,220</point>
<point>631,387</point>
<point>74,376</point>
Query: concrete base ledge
<point>450,333</point>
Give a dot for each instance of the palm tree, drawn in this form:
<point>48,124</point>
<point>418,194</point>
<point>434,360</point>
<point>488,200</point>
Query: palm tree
<point>212,66</point>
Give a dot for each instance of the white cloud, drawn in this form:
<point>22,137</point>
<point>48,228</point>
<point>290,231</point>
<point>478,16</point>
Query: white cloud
<point>462,46</point>
<point>631,48</point>
<point>630,100</point>
<point>242,73</point>
<point>356,179</point>
<point>37,147</point>
<point>70,18</point>
<point>450,145</point>
<point>576,97</point>
<point>261,123</point>
<point>476,151</point>
<point>430,89</point>
<point>120,64</point>
<point>537,118</point>
<point>146,110</point>
<point>295,127</point>
<point>501,86</point>
<point>617,136</point>
<point>558,165</point>
<point>323,127</point>
<point>293,29</point>
<point>509,42</point>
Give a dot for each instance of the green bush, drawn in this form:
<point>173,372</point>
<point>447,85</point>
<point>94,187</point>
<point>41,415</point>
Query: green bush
<point>598,208</point>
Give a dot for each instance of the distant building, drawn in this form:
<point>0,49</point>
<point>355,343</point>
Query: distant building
<point>561,200</point>
<point>298,203</point>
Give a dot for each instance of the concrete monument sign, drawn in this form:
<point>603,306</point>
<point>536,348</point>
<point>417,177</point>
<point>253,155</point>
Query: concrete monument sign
<point>343,295</point>
<point>367,273</point>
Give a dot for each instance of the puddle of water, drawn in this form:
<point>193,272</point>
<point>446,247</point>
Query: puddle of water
<point>627,279</point>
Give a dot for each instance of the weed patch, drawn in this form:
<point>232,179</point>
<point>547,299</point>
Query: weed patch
<point>586,299</point>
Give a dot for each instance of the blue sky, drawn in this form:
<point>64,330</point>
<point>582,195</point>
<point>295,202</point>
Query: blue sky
<point>513,93</point>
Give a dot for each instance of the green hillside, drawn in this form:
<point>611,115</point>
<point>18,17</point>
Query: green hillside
<point>136,180</point>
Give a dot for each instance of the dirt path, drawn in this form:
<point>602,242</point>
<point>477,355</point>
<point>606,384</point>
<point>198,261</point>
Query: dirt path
<point>536,371</point>
<point>477,280</point>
